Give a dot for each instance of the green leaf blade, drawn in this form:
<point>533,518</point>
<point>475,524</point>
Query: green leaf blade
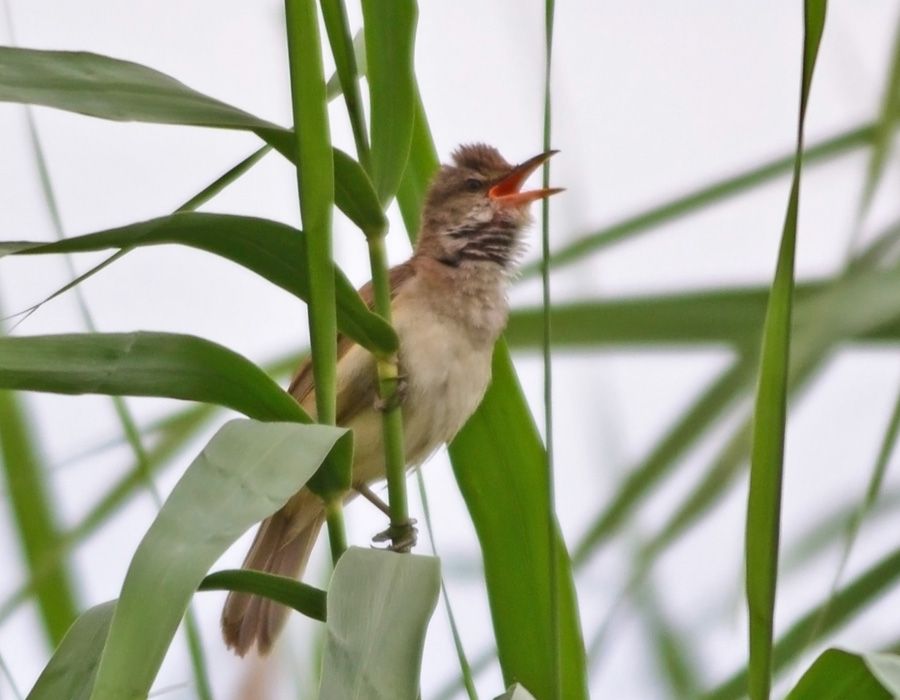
<point>295,594</point>
<point>770,413</point>
<point>246,472</point>
<point>390,29</point>
<point>109,88</point>
<point>144,364</point>
<point>272,250</point>
<point>379,605</point>
<point>837,675</point>
<point>492,481</point>
<point>505,487</point>
<point>71,671</point>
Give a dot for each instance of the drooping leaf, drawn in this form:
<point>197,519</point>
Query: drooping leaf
<point>109,88</point>
<point>390,29</point>
<point>379,605</point>
<point>246,472</point>
<point>295,594</point>
<point>355,195</point>
<point>144,364</point>
<point>272,250</point>
<point>71,671</point>
<point>172,433</point>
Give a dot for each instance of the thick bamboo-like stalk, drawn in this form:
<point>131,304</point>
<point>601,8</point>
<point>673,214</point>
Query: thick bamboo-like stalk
<point>315,181</point>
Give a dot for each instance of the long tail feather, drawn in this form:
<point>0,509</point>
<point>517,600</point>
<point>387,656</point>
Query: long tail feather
<point>282,546</point>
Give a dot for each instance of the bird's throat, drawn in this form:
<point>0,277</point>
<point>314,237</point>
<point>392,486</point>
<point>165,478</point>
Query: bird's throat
<point>494,242</point>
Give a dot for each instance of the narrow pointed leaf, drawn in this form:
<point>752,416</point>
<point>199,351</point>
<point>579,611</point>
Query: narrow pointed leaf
<point>144,364</point>
<point>504,485</point>
<point>246,472</point>
<point>770,414</point>
<point>379,605</point>
<point>272,250</point>
<point>390,29</point>
<point>497,481</point>
<point>859,594</point>
<point>71,671</point>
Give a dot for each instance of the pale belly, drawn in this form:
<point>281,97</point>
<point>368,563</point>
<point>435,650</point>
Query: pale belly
<point>446,373</point>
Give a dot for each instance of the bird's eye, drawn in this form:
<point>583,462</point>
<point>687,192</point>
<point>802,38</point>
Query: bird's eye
<point>473,184</point>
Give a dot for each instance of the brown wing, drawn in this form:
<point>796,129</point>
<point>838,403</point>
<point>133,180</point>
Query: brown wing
<point>358,394</point>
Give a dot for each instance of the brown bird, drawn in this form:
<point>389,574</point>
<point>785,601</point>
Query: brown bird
<point>448,306</point>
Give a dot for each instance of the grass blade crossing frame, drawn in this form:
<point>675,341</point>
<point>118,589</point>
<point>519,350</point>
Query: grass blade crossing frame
<point>770,415</point>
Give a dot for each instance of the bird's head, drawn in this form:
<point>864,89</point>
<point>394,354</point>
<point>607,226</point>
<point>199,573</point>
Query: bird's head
<point>475,207</point>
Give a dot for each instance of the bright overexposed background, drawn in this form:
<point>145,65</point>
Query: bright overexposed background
<point>650,99</point>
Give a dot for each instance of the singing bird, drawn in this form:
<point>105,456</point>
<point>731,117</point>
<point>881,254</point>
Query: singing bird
<point>448,306</point>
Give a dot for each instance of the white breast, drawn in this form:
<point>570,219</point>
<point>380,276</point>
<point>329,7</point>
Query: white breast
<point>446,344</point>
<point>447,373</point>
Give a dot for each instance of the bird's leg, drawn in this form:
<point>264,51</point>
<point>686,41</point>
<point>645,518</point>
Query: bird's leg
<point>396,399</point>
<point>402,537</point>
<point>370,496</point>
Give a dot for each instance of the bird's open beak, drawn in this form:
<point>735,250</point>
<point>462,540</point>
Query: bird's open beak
<point>507,191</point>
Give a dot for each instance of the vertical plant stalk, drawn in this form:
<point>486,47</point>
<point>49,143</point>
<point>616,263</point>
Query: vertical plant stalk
<point>389,30</point>
<point>770,413</point>
<point>387,366</point>
<point>315,182</point>
<point>549,8</point>
<point>388,381</point>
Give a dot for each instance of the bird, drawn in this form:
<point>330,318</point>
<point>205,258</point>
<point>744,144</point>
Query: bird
<point>448,307</point>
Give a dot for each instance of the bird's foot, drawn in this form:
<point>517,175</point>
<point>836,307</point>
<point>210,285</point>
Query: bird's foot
<point>394,400</point>
<point>402,537</point>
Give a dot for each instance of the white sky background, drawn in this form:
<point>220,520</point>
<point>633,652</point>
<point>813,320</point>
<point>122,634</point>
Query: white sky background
<point>650,99</point>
